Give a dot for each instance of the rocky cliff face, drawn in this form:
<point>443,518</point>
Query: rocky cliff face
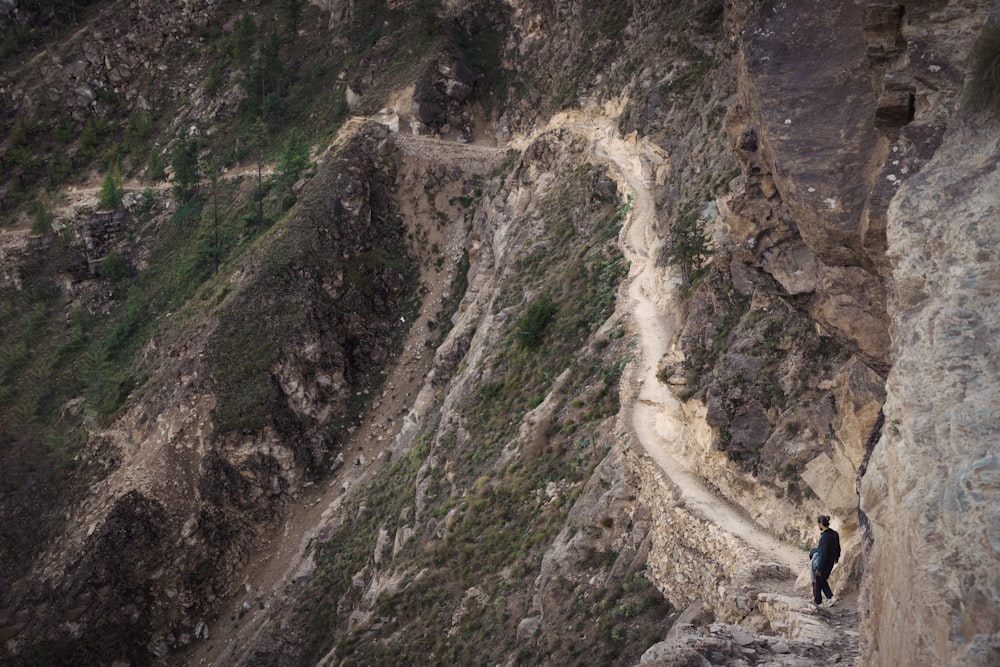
<point>930,492</point>
<point>829,171</point>
<point>200,470</point>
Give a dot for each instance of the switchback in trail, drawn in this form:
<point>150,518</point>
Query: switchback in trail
<point>654,414</point>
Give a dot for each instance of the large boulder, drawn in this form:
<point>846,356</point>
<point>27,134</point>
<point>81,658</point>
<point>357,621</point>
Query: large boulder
<point>841,104</point>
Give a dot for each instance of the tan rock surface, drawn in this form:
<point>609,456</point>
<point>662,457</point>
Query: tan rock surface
<point>805,81</point>
<point>932,490</point>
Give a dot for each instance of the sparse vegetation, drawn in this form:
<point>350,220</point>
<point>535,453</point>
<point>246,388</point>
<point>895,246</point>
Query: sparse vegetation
<point>502,520</point>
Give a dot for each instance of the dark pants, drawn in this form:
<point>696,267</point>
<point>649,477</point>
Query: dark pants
<point>821,586</point>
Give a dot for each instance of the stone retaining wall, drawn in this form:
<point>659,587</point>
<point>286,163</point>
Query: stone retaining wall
<point>692,559</point>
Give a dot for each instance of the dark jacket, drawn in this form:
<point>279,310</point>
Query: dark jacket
<point>829,550</point>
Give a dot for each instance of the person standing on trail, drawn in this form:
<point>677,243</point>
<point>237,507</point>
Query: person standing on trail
<point>821,560</point>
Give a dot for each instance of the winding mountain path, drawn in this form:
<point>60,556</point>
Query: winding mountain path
<point>655,415</point>
<point>659,424</point>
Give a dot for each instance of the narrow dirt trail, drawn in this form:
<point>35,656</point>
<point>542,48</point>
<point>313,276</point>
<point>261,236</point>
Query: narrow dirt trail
<point>656,415</point>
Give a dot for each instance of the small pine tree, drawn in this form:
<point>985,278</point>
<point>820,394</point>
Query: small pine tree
<point>265,82</point>
<point>111,193</point>
<point>243,40</point>
<point>216,246</point>
<point>292,10</point>
<point>155,169</point>
<point>258,137</point>
<point>184,161</point>
<point>292,162</point>
<point>691,245</point>
<point>42,222</point>
<point>89,141</point>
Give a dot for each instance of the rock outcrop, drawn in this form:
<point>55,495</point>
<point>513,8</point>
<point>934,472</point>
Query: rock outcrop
<point>806,92</point>
<point>843,139</point>
<point>113,60</point>
<point>931,493</point>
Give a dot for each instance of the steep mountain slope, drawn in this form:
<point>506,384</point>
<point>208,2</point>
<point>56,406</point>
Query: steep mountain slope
<point>507,332</point>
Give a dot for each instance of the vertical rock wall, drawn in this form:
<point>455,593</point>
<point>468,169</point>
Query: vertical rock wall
<point>871,205</point>
<point>931,496</point>
<point>812,154</point>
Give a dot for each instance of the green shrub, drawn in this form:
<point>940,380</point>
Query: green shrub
<point>533,323</point>
<point>709,16</point>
